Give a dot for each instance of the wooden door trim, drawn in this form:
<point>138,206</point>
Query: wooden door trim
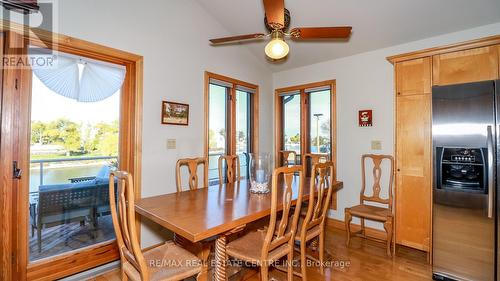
<point>471,44</point>
<point>232,109</point>
<point>130,147</point>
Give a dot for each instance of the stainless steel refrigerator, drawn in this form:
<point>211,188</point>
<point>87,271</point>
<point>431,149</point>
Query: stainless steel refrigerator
<point>465,132</point>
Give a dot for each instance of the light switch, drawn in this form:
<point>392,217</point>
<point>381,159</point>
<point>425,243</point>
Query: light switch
<point>376,145</point>
<point>171,143</point>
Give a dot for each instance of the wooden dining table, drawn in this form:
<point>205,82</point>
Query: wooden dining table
<point>211,213</point>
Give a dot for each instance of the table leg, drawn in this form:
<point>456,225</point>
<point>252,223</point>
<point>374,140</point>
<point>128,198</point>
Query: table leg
<point>203,255</point>
<point>220,258</point>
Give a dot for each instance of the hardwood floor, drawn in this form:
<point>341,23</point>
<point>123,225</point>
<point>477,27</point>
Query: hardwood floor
<point>363,260</point>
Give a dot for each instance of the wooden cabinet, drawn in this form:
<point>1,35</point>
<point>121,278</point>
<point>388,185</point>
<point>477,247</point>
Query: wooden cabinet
<point>415,74</point>
<point>413,176</point>
<point>470,65</point>
<point>413,77</point>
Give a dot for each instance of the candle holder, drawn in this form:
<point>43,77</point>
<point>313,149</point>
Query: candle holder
<point>260,172</point>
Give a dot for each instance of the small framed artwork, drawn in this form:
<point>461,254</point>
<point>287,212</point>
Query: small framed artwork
<point>365,118</point>
<point>174,113</point>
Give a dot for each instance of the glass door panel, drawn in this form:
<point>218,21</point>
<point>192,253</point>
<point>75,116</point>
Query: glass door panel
<point>74,146</point>
<point>217,128</point>
<point>320,122</point>
<point>291,138</point>
<point>243,129</point>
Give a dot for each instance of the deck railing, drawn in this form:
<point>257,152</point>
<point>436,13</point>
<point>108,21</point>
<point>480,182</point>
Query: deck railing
<point>54,160</point>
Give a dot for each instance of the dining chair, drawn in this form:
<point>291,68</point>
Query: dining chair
<point>165,262</point>
<point>192,164</point>
<point>312,226</point>
<point>371,212</point>
<point>263,247</point>
<point>309,159</point>
<point>285,156</point>
<point>232,168</point>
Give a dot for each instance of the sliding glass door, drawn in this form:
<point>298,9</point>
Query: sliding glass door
<point>65,126</point>
<point>231,121</point>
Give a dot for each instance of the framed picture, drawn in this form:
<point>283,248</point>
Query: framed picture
<point>174,113</point>
<point>365,118</point>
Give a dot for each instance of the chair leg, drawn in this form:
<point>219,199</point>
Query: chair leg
<point>322,248</point>
<point>39,237</point>
<point>363,232</point>
<point>290,263</point>
<point>388,229</point>
<point>264,272</point>
<point>303,265</point>
<point>347,219</point>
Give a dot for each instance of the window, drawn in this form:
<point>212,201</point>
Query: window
<point>230,121</point>
<point>305,121</point>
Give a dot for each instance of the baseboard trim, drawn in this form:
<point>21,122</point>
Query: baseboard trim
<point>370,232</point>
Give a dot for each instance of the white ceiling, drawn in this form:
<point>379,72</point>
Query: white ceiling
<point>376,23</point>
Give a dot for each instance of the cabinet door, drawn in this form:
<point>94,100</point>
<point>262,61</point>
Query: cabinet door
<point>413,179</point>
<point>466,66</point>
<point>413,77</point>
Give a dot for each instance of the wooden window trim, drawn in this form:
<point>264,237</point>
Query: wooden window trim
<point>232,123</point>
<point>130,151</point>
<point>304,139</point>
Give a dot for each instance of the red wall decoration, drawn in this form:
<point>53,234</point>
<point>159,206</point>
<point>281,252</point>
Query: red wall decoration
<point>365,118</point>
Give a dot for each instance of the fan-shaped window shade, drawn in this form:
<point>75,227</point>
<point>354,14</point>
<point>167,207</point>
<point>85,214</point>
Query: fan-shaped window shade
<point>89,82</point>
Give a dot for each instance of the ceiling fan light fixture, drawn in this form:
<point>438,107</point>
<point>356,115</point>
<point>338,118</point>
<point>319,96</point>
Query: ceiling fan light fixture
<point>277,48</point>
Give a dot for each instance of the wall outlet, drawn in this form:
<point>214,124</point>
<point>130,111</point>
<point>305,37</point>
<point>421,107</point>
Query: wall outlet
<point>376,145</point>
<point>171,143</point>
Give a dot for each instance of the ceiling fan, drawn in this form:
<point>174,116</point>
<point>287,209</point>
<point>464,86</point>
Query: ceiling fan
<point>277,21</point>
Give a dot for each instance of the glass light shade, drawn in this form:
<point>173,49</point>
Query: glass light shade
<point>277,48</point>
<point>260,172</point>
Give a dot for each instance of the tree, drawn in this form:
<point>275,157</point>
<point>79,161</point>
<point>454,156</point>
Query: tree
<point>38,133</point>
<point>106,138</point>
<point>295,139</point>
<point>63,132</point>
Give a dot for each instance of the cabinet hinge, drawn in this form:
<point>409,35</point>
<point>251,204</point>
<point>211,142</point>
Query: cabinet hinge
<point>16,84</point>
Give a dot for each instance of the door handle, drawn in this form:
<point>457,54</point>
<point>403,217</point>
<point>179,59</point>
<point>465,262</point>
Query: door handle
<point>16,171</point>
<point>490,172</point>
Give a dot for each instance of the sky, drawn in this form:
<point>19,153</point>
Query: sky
<point>320,103</point>
<point>47,105</point>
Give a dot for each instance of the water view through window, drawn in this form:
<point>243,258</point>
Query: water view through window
<point>74,146</point>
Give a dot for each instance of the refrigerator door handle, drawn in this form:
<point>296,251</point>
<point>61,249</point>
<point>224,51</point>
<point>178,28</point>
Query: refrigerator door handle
<point>490,172</point>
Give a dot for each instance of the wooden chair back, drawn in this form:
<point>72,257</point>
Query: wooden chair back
<point>321,181</point>
<point>309,159</point>
<point>123,215</point>
<point>285,156</point>
<point>377,175</point>
<point>284,232</point>
<point>192,165</point>
<point>233,172</point>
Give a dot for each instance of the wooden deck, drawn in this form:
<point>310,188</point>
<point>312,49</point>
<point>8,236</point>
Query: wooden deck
<point>68,237</point>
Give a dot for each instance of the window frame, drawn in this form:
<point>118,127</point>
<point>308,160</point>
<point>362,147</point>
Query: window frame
<point>231,113</point>
<point>305,142</point>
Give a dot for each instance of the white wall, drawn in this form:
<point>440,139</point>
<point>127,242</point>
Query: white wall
<point>365,81</point>
<point>173,38</point>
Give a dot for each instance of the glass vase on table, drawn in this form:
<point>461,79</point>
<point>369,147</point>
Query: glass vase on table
<point>260,172</point>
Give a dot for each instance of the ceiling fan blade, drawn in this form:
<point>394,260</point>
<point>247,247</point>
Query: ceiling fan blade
<point>321,32</point>
<point>275,13</point>
<point>237,38</point>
